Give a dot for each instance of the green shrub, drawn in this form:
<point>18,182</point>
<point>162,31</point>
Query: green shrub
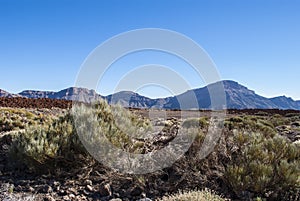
<point>278,120</point>
<point>15,119</point>
<point>204,195</point>
<point>251,123</point>
<point>265,165</point>
<point>196,123</point>
<point>261,113</point>
<point>119,125</point>
<point>44,144</point>
<point>293,115</point>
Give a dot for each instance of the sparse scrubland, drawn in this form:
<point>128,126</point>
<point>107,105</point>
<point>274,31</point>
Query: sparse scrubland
<point>257,156</point>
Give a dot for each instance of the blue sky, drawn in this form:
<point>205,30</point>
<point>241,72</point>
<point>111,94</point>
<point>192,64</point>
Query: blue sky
<point>44,43</point>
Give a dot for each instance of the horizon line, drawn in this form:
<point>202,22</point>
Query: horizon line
<point>145,95</point>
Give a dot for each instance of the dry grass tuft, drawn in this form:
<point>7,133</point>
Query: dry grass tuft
<point>204,195</point>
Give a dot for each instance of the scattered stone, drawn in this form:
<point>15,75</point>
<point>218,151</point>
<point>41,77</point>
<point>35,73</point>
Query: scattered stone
<point>66,197</point>
<point>116,199</point>
<point>72,196</point>
<point>70,182</point>
<point>145,199</point>
<point>18,188</point>
<point>46,189</point>
<point>45,176</point>
<point>49,198</point>
<point>81,198</point>
<point>62,192</point>
<point>72,191</point>
<point>57,188</point>
<point>88,182</point>
<point>31,189</point>
<point>21,182</point>
<point>136,191</point>
<point>105,189</point>
<point>56,183</point>
<point>89,188</point>
<point>85,192</point>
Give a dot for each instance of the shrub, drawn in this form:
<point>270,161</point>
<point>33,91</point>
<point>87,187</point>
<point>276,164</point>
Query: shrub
<point>264,165</point>
<point>46,143</point>
<point>119,125</point>
<point>250,123</point>
<point>261,113</point>
<point>15,119</point>
<point>196,123</point>
<point>52,142</point>
<point>278,120</point>
<point>204,195</point>
<point>293,115</point>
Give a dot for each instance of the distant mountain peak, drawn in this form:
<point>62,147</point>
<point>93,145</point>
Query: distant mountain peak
<point>282,97</point>
<point>232,84</point>
<point>237,97</point>
<point>125,93</point>
<point>7,94</point>
<point>77,89</point>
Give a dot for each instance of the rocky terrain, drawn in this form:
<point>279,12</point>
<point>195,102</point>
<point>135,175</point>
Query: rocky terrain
<point>79,177</point>
<point>21,102</point>
<point>237,97</point>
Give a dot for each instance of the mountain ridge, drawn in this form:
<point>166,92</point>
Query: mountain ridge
<point>7,94</point>
<point>237,97</point>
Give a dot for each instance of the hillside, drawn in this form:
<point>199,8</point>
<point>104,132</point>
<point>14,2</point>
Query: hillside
<point>237,97</point>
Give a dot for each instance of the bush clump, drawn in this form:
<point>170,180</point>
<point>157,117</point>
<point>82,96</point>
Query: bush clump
<point>264,165</point>
<point>45,144</point>
<point>52,142</point>
<point>251,123</point>
<point>204,195</point>
<point>16,119</point>
<point>202,122</point>
<point>117,125</point>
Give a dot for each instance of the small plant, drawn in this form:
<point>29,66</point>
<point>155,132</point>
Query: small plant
<point>15,119</point>
<point>278,120</point>
<point>202,122</point>
<point>251,123</point>
<point>293,115</point>
<point>11,189</point>
<point>204,195</point>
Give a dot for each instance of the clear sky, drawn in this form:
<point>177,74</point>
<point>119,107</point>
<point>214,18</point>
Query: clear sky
<point>255,42</point>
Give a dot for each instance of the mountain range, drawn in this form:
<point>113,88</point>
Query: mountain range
<point>237,97</point>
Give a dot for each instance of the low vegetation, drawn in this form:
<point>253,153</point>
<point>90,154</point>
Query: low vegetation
<point>203,195</point>
<point>263,165</point>
<point>255,157</point>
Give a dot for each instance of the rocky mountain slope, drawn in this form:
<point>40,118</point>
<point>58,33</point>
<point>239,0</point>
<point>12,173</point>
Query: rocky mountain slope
<point>285,102</point>
<point>72,93</point>
<point>237,97</point>
<point>7,94</point>
<point>37,94</point>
